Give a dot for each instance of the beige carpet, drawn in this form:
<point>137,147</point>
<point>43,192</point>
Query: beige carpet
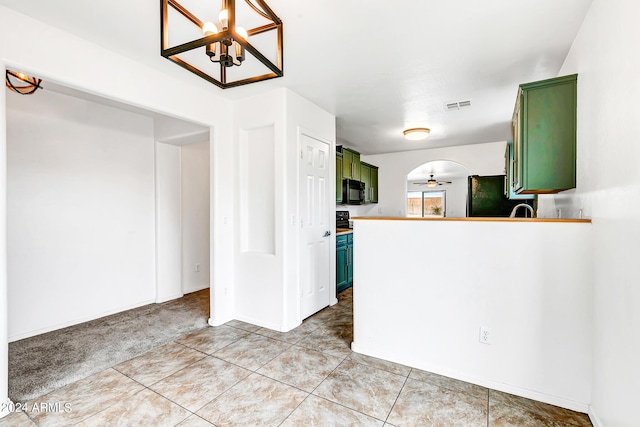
<point>43,363</point>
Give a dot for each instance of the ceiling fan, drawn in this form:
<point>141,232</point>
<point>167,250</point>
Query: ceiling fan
<point>432,182</point>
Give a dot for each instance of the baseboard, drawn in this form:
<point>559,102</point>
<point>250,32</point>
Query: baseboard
<point>169,298</point>
<point>196,289</point>
<point>484,382</point>
<point>77,321</point>
<point>258,323</point>
<point>217,321</point>
<point>595,420</point>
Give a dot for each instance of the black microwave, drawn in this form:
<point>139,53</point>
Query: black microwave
<point>352,192</point>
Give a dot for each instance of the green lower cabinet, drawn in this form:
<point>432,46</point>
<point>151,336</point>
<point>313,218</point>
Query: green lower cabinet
<point>344,262</point>
<point>349,260</point>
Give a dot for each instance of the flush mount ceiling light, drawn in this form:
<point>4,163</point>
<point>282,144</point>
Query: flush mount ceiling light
<point>21,83</point>
<point>243,46</point>
<point>416,134</point>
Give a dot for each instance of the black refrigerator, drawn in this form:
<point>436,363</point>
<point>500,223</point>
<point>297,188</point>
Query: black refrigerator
<point>486,198</point>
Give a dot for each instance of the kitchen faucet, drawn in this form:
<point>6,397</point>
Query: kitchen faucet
<point>515,208</point>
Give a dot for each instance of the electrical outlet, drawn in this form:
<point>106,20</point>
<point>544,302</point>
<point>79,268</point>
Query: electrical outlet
<point>197,268</point>
<point>485,335</point>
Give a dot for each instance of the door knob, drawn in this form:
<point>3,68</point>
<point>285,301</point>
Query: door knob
<point>327,234</point>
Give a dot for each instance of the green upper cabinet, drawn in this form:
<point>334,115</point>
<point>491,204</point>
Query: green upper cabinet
<point>374,184</point>
<point>369,175</point>
<point>350,164</point>
<point>365,176</point>
<point>544,136</point>
<point>338,177</point>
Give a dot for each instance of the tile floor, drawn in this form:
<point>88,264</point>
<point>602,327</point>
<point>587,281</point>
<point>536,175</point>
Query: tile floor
<point>242,375</point>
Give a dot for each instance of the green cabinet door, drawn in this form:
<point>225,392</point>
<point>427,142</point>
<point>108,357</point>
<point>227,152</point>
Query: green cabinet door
<point>374,184</point>
<point>339,178</point>
<point>509,191</point>
<point>544,125</point>
<point>365,176</point>
<point>341,263</point>
<point>356,166</point>
<point>349,260</point>
<point>347,163</point>
<point>350,164</point>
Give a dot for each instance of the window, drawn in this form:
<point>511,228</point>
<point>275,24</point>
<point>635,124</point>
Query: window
<point>426,204</point>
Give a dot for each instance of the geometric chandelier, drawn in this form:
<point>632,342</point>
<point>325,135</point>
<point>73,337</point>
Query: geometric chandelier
<point>226,42</point>
<point>21,83</point>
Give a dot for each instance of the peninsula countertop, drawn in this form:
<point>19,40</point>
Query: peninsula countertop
<point>473,219</point>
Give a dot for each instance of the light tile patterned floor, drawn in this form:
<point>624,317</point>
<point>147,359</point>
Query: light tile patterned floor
<point>241,375</point>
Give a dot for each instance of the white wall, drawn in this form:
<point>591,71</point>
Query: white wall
<point>480,159</point>
<point>608,189</point>
<point>59,56</point>
<point>62,147</point>
<point>4,341</point>
<point>259,124</point>
<point>80,194</point>
<point>267,129</point>
<point>168,243</point>
<point>222,192</point>
<point>195,202</point>
<point>422,290</point>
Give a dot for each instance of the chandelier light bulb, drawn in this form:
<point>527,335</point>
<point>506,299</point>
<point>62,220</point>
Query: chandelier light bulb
<point>223,17</point>
<point>242,33</point>
<point>209,28</point>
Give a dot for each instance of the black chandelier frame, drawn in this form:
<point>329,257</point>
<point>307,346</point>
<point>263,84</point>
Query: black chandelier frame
<point>171,53</point>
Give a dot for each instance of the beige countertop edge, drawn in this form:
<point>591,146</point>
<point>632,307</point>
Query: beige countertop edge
<point>474,219</point>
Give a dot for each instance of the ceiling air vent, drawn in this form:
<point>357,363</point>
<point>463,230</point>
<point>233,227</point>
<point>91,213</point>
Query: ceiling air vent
<point>457,105</point>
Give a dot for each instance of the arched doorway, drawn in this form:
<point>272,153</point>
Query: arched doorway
<point>437,189</point>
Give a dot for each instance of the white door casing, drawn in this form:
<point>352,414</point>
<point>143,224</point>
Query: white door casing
<point>315,226</point>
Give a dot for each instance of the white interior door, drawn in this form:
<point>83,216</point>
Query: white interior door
<point>315,225</point>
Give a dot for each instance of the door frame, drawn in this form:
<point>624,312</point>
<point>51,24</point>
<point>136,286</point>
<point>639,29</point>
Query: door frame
<point>331,207</point>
